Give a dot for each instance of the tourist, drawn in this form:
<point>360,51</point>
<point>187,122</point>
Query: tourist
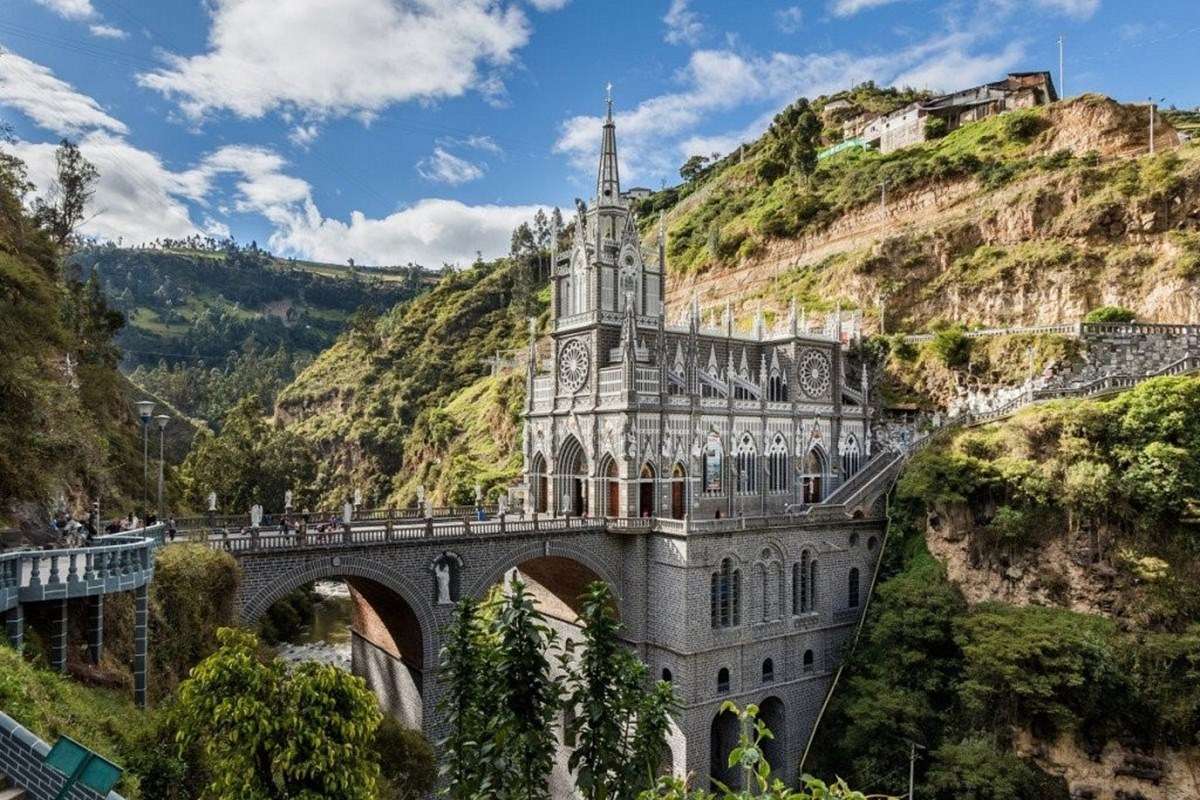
<point>171,529</point>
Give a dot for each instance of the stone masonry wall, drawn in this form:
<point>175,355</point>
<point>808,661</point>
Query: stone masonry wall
<point>22,757</point>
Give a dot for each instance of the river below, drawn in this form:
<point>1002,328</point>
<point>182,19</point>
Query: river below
<point>326,638</point>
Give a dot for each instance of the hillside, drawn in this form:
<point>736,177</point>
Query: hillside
<point>1040,594</point>
<point>1034,216</point>
<point>67,430</point>
<point>406,399</point>
<point>209,323</point>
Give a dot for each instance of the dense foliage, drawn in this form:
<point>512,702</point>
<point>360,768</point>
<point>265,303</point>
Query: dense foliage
<point>251,460</point>
<point>963,681</point>
<point>66,425</point>
<point>502,696</point>
<point>268,733</point>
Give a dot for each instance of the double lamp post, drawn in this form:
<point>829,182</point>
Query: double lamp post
<point>145,410</point>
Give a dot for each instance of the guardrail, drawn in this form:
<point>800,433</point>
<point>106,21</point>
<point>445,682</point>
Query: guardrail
<point>237,521</point>
<point>114,563</point>
<point>1076,329</point>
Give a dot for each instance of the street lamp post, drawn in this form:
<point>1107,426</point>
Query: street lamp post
<point>162,420</point>
<point>145,409</point>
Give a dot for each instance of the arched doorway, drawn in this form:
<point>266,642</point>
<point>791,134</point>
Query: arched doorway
<point>571,479</point>
<point>813,470</point>
<point>722,738</point>
<point>538,485</point>
<point>678,492</point>
<point>770,711</point>
<point>646,481</point>
<point>611,490</point>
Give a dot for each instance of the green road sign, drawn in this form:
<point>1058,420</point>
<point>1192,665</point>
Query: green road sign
<point>81,765</point>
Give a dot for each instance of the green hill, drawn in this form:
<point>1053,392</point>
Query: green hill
<point>209,323</point>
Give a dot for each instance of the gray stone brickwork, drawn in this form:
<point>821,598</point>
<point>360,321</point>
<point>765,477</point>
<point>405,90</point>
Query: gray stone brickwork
<point>22,757</point>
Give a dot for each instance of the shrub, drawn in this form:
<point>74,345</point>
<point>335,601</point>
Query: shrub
<point>1022,126</point>
<point>1110,314</point>
<point>936,127</point>
<point>952,347</point>
<point>979,768</point>
<point>407,766</point>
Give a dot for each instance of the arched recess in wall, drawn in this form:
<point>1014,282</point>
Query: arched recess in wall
<point>679,491</point>
<point>771,712</point>
<point>539,485</point>
<point>570,478</point>
<point>647,480</point>
<point>610,488</point>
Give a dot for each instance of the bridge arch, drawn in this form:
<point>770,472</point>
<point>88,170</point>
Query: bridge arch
<point>348,567</point>
<point>550,553</point>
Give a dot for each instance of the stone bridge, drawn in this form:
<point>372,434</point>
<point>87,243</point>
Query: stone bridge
<point>401,606</point>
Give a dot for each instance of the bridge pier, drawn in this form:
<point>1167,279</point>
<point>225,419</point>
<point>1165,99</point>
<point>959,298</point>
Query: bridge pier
<point>141,638</point>
<point>95,629</point>
<point>57,615</point>
<point>14,627</point>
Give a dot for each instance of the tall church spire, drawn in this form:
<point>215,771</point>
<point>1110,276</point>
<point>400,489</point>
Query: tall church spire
<point>608,181</point>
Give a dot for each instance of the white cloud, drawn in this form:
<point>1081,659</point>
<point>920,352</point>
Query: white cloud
<point>216,228</point>
<point>549,5</point>
<point>790,19</point>
<point>957,69</point>
<point>107,31</point>
<point>70,9</point>
<point>683,24</point>
<point>847,8</point>
<point>137,198</point>
<point>351,57</point>
<point>475,142</point>
<point>660,132</point>
<point>430,232</point>
<point>1080,9</point>
<point>49,102</point>
<point>445,167</point>
<point>304,135</point>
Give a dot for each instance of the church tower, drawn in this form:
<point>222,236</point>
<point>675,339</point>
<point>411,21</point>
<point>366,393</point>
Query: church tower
<point>605,270</point>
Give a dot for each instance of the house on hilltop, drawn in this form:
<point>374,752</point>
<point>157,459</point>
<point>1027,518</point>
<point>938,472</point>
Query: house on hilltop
<point>907,126</point>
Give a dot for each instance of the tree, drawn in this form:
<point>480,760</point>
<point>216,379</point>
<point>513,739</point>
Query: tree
<point>250,460</point>
<point>270,734</point>
<point>523,730</point>
<point>619,728</point>
<point>693,168</point>
<point>406,762</point>
<point>61,211</point>
<point>466,664</point>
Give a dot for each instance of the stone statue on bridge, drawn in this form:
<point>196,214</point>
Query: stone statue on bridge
<point>256,515</point>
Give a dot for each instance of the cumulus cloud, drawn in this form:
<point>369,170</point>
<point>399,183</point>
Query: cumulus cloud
<point>304,135</point>
<point>660,132</point>
<point>445,167</point>
<point>71,9</point>
<point>430,232</point>
<point>107,31</point>
<point>683,24</point>
<point>351,57</point>
<point>49,102</point>
<point>549,5</point>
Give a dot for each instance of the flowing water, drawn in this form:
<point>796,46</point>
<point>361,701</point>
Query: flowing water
<point>327,637</point>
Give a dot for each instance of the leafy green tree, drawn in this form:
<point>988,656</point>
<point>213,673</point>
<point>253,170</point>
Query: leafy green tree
<point>693,168</point>
<point>250,460</point>
<point>468,704</point>
<point>523,730</point>
<point>978,768</point>
<point>406,762</point>
<point>73,185</point>
<point>268,733</point>
<point>619,728</point>
<point>1110,314</point>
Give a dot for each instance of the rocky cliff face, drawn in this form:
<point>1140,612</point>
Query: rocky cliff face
<point>1097,222</point>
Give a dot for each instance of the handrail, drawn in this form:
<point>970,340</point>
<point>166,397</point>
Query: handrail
<point>1075,329</point>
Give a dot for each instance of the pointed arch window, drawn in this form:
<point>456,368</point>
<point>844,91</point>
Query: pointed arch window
<point>804,573</point>
<point>777,386</point>
<point>851,457</point>
<point>726,595</point>
<point>713,466</point>
<point>777,465</point>
<point>768,671</point>
<point>746,465</point>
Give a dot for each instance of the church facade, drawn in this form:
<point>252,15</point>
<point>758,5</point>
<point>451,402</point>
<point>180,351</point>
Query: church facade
<point>730,440</point>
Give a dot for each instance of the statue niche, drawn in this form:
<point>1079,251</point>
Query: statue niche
<point>447,578</point>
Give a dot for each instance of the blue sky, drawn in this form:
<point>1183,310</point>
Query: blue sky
<point>423,130</point>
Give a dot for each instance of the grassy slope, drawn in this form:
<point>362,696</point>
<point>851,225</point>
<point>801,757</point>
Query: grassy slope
<point>382,405</point>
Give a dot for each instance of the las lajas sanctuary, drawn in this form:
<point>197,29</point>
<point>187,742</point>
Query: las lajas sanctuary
<point>752,454</point>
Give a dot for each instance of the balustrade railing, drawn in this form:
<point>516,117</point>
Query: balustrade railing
<point>74,571</point>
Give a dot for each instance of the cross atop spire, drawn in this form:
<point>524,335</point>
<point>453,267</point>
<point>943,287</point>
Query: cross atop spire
<point>608,98</point>
<point>608,181</point>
